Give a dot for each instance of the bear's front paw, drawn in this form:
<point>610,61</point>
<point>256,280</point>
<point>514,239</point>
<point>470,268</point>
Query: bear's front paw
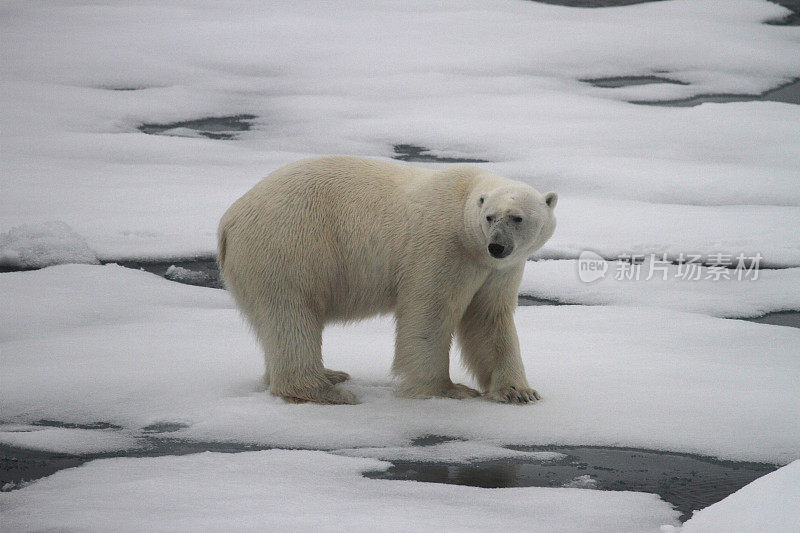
<point>513,395</point>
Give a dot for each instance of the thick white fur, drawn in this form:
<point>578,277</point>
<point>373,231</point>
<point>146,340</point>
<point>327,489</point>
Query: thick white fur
<point>343,238</point>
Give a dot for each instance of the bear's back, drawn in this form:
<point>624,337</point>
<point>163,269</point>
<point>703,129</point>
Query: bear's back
<point>333,229</point>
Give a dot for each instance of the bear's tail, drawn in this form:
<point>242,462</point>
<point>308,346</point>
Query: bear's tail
<point>221,244</point>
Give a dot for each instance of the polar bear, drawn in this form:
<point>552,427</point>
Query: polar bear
<point>343,238</point>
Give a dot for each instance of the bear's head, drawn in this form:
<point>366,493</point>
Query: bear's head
<point>510,222</point>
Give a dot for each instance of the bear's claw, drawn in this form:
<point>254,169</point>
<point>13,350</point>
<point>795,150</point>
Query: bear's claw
<point>513,395</point>
<point>460,392</point>
<point>336,376</point>
<point>329,395</point>
<point>440,389</point>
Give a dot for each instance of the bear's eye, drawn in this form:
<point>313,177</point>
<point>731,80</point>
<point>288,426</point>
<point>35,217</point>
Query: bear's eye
<point>490,218</point>
<point>480,200</point>
<point>516,220</point>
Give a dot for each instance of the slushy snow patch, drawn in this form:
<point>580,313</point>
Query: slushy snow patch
<point>302,491</point>
<point>185,275</point>
<point>74,441</point>
<point>695,288</point>
<point>82,344</point>
<point>581,482</point>
<point>450,452</point>
<point>44,244</point>
<point>770,503</point>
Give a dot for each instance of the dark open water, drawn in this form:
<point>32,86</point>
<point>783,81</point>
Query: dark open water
<point>688,482</point>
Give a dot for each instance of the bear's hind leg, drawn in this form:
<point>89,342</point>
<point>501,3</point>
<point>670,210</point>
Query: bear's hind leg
<point>334,376</point>
<point>293,348</point>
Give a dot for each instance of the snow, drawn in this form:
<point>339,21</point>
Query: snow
<point>613,227</point>
<point>767,504</point>
<point>582,482</point>
<point>185,275</point>
<point>44,244</point>
<point>66,440</point>
<point>697,289</point>
<point>301,490</point>
<point>493,80</point>
<point>86,344</point>
<point>646,366</point>
<point>450,452</point>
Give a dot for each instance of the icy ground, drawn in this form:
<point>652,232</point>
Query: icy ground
<point>767,504</point>
<point>86,344</point>
<point>699,289</point>
<point>107,154</point>
<point>275,490</point>
<point>483,79</point>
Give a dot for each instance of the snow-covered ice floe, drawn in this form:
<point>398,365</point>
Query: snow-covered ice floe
<point>499,81</point>
<point>43,244</point>
<point>102,117</point>
<point>450,452</point>
<point>185,275</point>
<point>66,440</point>
<point>696,288</point>
<point>613,227</point>
<point>768,504</point>
<point>88,344</point>
<point>283,490</point>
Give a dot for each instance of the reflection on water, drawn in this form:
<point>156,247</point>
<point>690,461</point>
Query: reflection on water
<point>688,482</point>
<point>627,81</point>
<point>792,19</point>
<point>200,271</point>
<point>224,128</point>
<point>420,154</point>
<point>788,94</point>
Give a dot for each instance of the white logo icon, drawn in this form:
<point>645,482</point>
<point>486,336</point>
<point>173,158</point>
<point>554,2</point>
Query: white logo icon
<point>591,266</point>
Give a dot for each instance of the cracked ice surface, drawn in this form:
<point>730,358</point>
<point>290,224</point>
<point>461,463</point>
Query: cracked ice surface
<point>86,344</point>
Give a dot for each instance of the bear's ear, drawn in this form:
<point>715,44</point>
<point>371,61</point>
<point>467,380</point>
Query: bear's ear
<point>551,199</point>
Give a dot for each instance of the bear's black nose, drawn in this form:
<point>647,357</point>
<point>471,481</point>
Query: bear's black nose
<point>498,250</point>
